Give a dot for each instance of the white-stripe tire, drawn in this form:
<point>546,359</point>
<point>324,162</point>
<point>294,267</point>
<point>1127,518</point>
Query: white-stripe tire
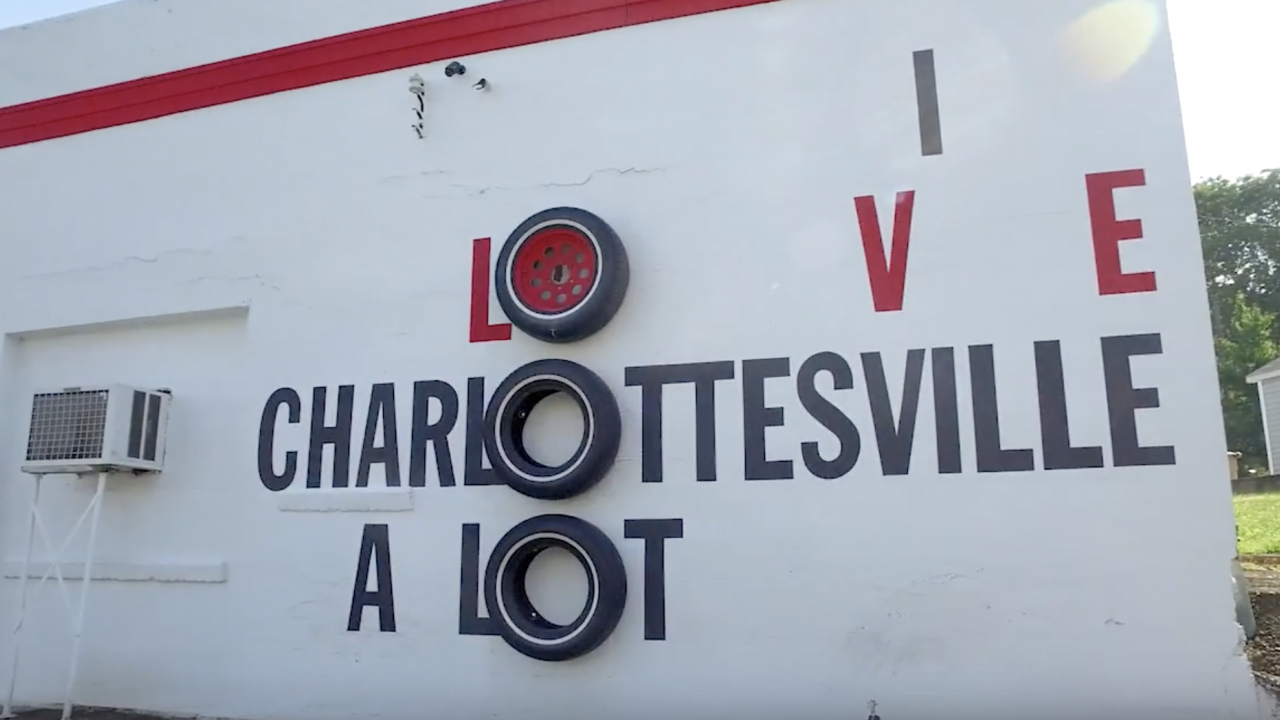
<point>509,408</point>
<point>600,296</point>
<point>519,623</point>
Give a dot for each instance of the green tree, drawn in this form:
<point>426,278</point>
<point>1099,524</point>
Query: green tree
<point>1240,236</point>
<point>1243,345</point>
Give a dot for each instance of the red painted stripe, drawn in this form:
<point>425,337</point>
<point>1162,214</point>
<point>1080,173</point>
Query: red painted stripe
<point>456,34</point>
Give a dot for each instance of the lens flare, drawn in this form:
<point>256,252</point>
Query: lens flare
<point>1106,42</point>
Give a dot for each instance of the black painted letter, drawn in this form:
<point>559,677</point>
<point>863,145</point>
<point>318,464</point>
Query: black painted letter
<point>469,620</point>
<point>927,103</point>
<point>1123,400</point>
<point>992,458</point>
<point>894,438</point>
<point>1055,432</point>
<point>274,482</point>
<point>473,471</point>
<point>651,380</point>
<point>337,435</point>
<point>946,411</point>
<point>436,433</point>
<point>828,415</point>
<point>757,418</point>
<point>382,411</point>
<point>655,533</point>
<point>376,540</point>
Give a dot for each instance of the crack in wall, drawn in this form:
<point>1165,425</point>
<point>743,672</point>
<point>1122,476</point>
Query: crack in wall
<point>413,176</point>
<point>621,172</point>
<point>241,278</point>
<point>135,260</point>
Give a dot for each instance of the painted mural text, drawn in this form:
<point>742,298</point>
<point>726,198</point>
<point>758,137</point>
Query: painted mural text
<point>414,434</point>
<point>373,590</point>
<point>428,432</point>
<point>887,269</point>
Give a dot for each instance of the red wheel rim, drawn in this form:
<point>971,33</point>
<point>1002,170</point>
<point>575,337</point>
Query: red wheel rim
<point>553,270</point>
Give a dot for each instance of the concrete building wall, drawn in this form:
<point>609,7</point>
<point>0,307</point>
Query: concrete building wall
<point>1018,435</point>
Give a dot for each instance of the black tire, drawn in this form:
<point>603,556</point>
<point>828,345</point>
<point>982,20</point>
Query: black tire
<point>518,621</point>
<point>601,298</point>
<point>509,408</point>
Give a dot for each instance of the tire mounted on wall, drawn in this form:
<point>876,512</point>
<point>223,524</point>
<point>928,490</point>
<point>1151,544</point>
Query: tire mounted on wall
<point>562,275</point>
<point>519,622</point>
<point>509,409</point>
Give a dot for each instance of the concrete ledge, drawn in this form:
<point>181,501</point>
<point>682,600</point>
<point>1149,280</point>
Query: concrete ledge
<point>346,500</point>
<point>1256,485</point>
<point>214,572</point>
<point>238,311</point>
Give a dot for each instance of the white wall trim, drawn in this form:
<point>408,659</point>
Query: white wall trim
<point>1257,378</point>
<point>210,572</point>
<point>346,500</point>
<point>1266,430</point>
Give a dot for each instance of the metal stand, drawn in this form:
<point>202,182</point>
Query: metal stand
<point>35,523</point>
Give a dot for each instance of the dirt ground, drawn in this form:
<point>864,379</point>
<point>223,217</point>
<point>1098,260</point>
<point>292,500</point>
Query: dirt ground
<point>1263,576</point>
<point>1264,651</point>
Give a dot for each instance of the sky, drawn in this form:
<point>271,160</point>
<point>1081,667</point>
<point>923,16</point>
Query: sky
<point>1227,61</point>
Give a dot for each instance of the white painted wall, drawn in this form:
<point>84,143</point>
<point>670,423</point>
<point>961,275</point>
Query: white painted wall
<point>310,239</point>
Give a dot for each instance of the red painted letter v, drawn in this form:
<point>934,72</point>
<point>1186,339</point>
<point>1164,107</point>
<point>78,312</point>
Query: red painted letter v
<point>888,277</point>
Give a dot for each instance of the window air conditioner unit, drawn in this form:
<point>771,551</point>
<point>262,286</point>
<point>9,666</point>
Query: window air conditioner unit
<point>95,429</point>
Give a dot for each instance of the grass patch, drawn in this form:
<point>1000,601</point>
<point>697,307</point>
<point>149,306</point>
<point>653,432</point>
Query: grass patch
<point>1258,521</point>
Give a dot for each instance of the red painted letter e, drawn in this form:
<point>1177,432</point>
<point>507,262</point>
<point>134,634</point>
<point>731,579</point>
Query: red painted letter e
<point>1108,233</point>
